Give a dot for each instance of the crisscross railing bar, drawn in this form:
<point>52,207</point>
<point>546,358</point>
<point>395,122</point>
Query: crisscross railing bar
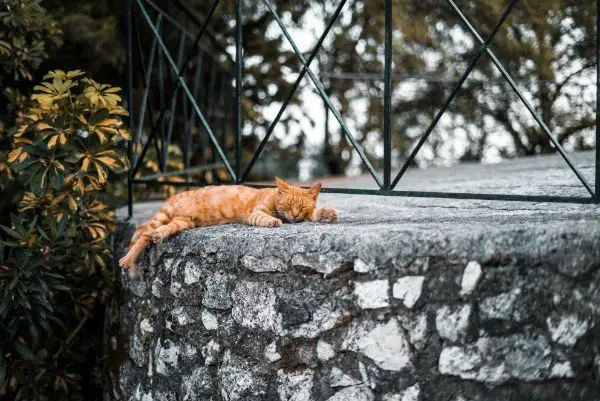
<point>144,101</point>
<point>239,66</point>
<point>188,93</point>
<point>173,109</point>
<point>321,90</point>
<point>183,66</point>
<point>189,35</point>
<point>293,90</point>
<point>200,34</point>
<point>524,100</point>
<point>387,98</point>
<point>453,94</point>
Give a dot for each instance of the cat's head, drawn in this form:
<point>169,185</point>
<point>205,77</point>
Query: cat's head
<point>295,204</point>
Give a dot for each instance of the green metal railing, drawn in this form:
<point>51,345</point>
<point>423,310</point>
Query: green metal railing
<point>143,57</point>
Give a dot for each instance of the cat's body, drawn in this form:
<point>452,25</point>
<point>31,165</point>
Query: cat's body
<point>217,205</point>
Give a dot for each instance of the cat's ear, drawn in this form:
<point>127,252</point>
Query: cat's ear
<point>282,186</point>
<point>314,190</point>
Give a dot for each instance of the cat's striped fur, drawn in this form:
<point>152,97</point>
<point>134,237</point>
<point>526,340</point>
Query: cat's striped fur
<point>216,205</point>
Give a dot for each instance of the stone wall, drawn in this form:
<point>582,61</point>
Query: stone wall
<point>360,312</point>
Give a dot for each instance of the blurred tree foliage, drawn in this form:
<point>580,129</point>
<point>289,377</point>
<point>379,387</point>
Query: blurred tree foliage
<point>548,47</point>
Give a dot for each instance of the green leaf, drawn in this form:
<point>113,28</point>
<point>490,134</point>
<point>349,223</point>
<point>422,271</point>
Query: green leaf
<point>12,232</point>
<point>57,179</point>
<point>23,350</point>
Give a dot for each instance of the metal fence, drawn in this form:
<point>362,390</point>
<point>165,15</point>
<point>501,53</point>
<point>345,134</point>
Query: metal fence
<point>178,78</point>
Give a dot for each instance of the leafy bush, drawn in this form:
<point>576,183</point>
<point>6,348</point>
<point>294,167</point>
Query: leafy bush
<point>55,262</point>
<point>27,34</point>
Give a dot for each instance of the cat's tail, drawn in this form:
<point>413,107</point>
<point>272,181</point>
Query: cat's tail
<point>142,238</point>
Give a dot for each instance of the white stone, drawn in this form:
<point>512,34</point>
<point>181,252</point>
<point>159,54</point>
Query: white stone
<point>372,294</point>
<point>271,352</point>
<point>263,264</point>
<point>391,397</point>
<point>566,330</point>
<point>199,382</point>
<point>189,350</point>
<point>146,326</point>
<point>361,267</point>
<point>502,306</point>
<point>166,357</point>
<point>324,351</point>
<point>216,294</point>
<point>364,375</point>
<point>325,263</point>
<point>409,289</point>
<point>497,359</point>
<point>460,362</point>
<point>210,352</point>
<point>181,316</point>
<point>326,317</point>
<point>254,306</point>
<point>353,393</point>
<point>237,376</point>
<point>562,370</point>
<point>337,378</point>
<point>453,323</point>
<point>411,393</point>
<point>416,329</point>
<point>191,273</point>
<point>384,343</point>
<point>470,278</point>
<point>209,320</point>
<point>295,386</point>
<point>176,289</point>
<point>157,287</point>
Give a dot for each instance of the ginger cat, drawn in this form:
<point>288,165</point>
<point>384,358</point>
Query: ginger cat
<point>216,205</point>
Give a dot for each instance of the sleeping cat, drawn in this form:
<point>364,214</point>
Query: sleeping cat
<point>216,205</point>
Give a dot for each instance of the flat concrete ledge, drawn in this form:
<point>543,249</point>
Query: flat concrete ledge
<point>404,299</point>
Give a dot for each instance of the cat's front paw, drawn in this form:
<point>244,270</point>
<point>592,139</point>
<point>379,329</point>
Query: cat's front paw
<point>274,223</point>
<point>328,215</point>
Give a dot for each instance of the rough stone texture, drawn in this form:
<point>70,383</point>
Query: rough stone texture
<point>405,299</point>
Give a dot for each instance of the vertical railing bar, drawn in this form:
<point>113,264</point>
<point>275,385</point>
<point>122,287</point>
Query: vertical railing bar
<point>224,110</point>
<point>525,102</point>
<point>453,94</point>
<point>130,106</point>
<point>387,98</point>
<point>293,90</point>
<point>146,92</point>
<point>210,107</point>
<point>161,104</point>
<point>173,114</point>
<point>196,90</point>
<point>187,91</point>
<point>239,65</point>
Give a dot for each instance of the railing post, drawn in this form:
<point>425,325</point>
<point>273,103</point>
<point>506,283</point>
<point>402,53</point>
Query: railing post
<point>597,184</point>
<point>130,147</point>
<point>239,64</point>
<point>387,98</point>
